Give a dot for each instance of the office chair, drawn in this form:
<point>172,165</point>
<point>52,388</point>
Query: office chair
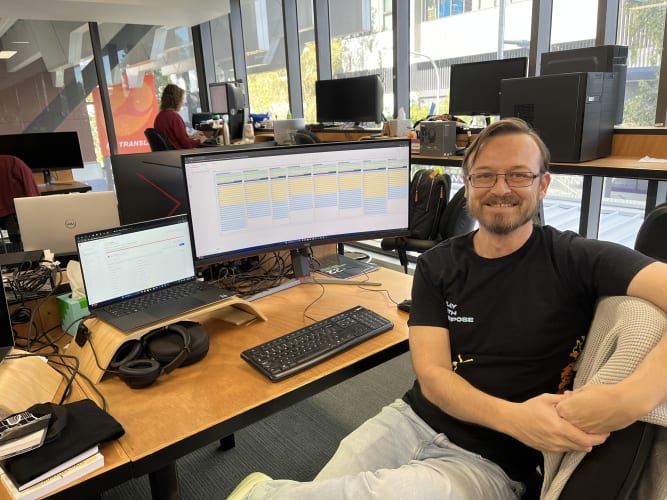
<point>455,220</point>
<point>304,136</point>
<point>652,236</point>
<point>156,140</point>
<point>621,459</point>
<point>17,181</point>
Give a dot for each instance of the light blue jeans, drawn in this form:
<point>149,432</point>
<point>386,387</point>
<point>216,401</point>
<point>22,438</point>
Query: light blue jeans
<point>396,455</point>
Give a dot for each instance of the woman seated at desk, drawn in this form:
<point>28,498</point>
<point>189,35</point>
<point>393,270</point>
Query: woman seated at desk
<point>170,123</point>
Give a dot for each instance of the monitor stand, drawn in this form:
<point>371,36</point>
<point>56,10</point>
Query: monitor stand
<point>301,266</point>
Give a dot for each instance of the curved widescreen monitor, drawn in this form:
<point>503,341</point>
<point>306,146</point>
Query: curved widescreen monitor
<point>357,99</point>
<point>474,88</point>
<point>281,198</point>
<point>44,151</point>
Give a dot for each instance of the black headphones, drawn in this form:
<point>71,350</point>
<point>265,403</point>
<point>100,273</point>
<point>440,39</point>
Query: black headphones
<point>140,362</point>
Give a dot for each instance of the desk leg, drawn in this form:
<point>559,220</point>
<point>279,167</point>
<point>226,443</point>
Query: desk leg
<point>164,483</point>
<point>591,202</point>
<point>227,442</point>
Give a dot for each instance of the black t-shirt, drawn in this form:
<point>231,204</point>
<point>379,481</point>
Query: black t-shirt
<point>516,323</point>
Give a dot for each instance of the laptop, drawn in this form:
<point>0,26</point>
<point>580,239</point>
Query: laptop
<point>143,273</point>
<point>51,222</point>
<point>6,332</point>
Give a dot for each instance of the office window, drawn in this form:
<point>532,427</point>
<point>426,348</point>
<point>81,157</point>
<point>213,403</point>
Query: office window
<point>48,85</point>
<point>307,54</point>
<point>573,24</point>
<point>472,35</point>
<point>221,40</point>
<point>265,57</point>
<point>437,9</point>
<point>361,43</point>
<point>139,61</point>
<point>641,27</point>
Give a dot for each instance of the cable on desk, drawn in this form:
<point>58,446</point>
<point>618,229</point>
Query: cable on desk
<point>30,281</point>
<point>69,378</point>
<point>265,273</point>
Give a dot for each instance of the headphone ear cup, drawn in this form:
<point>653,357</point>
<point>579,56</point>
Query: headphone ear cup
<point>199,342</point>
<point>139,373</point>
<point>168,346</point>
<point>127,352</point>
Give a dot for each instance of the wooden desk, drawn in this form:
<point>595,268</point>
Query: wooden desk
<point>593,172</point>
<point>210,400</point>
<point>64,187</point>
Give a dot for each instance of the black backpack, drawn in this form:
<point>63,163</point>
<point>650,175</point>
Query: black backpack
<point>429,193</point>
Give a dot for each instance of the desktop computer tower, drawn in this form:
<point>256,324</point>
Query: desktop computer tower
<point>573,113</point>
<point>604,58</point>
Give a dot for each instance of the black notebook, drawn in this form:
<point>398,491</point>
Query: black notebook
<point>87,426</point>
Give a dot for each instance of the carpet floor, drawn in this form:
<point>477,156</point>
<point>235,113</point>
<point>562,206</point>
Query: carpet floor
<point>291,444</point>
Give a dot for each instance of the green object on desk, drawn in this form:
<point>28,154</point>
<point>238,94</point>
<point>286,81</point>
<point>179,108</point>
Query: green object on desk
<point>70,311</point>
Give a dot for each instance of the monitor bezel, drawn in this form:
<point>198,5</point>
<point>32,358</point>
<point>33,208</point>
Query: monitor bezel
<point>201,261</point>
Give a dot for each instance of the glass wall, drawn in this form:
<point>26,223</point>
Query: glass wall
<point>362,43</point>
<point>221,40</point>
<point>307,54</point>
<point>265,57</point>
<point>641,25</point>
<point>139,61</point>
<point>446,33</point>
<point>48,84</point>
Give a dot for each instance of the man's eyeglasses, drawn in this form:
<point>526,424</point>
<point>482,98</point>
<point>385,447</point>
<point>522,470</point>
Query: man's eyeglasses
<point>513,179</point>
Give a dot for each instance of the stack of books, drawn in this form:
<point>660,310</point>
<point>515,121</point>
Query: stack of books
<point>62,475</point>
<point>69,451</point>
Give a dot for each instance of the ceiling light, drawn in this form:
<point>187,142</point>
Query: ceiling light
<point>6,54</point>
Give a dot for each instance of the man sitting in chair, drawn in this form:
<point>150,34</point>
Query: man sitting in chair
<point>498,317</point>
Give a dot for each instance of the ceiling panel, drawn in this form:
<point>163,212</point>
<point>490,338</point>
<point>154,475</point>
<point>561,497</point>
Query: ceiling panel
<point>151,12</point>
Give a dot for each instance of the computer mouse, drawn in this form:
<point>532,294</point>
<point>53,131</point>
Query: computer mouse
<point>405,305</point>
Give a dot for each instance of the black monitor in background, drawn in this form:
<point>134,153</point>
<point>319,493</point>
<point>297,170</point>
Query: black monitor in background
<point>474,88</point>
<point>44,151</point>
<point>603,58</point>
<point>272,199</point>
<point>228,98</point>
<point>357,99</point>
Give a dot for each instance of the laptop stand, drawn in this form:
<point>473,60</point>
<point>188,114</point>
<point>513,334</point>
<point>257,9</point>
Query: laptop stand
<point>107,340</point>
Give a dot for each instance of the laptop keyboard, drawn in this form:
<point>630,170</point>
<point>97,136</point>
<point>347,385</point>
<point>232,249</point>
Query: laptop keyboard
<point>144,302</point>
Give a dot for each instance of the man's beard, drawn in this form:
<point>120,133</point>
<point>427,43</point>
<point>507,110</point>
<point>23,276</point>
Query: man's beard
<point>502,224</point>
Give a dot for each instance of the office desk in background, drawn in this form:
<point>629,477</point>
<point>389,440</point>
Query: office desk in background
<point>64,187</point>
<point>210,400</point>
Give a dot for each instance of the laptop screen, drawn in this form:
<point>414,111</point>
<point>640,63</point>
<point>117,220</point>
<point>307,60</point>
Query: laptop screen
<point>6,333</point>
<point>130,260</point>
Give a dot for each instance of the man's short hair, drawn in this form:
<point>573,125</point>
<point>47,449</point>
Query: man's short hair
<point>506,126</point>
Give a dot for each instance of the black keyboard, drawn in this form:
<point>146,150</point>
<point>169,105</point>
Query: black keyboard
<point>143,302</point>
<point>310,345</point>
